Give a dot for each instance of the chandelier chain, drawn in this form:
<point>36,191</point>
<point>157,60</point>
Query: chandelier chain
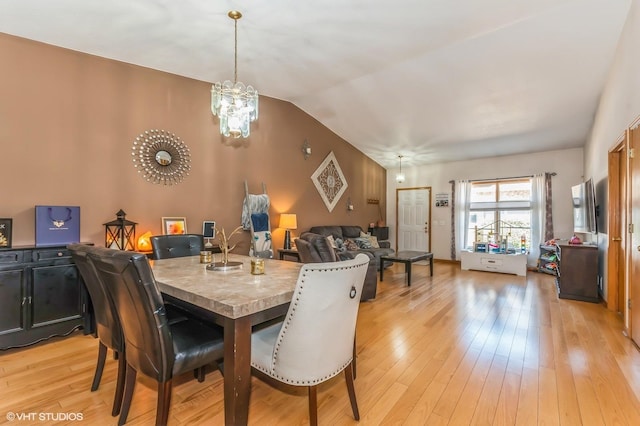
<point>235,53</point>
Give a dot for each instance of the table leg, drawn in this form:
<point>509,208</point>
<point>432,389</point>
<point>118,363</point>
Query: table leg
<point>407,270</point>
<point>431,265</point>
<point>237,370</point>
<point>381,269</point>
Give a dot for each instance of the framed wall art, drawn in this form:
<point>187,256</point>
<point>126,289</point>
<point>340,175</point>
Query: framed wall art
<point>329,181</point>
<point>174,225</point>
<point>5,232</point>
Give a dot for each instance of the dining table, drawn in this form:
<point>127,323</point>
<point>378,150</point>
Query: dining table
<point>235,299</point>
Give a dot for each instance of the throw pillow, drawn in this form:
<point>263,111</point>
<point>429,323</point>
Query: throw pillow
<point>374,241</point>
<point>363,243</point>
<point>350,245</point>
<point>332,242</point>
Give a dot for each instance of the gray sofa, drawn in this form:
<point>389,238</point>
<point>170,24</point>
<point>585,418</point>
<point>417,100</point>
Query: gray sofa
<point>352,232</point>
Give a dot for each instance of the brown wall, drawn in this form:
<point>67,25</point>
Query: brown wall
<point>67,125</point>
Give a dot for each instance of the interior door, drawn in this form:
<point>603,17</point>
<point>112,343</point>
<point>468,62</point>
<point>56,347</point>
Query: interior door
<point>617,226</point>
<point>413,230</point>
<point>634,235</point>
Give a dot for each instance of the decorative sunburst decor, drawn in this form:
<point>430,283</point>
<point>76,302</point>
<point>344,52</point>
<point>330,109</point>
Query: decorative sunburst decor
<point>161,157</point>
<point>329,181</point>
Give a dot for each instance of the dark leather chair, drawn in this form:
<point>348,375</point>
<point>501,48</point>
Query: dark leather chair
<point>154,347</point>
<point>315,248</point>
<point>166,246</point>
<point>108,328</point>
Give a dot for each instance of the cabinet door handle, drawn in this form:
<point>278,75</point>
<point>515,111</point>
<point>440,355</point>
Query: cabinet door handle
<point>24,300</point>
<point>616,239</point>
<point>60,254</point>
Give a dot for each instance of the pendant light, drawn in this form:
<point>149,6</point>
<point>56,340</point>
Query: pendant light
<point>234,103</point>
<point>400,176</point>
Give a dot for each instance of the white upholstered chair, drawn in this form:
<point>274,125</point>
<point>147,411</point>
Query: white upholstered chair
<point>315,341</point>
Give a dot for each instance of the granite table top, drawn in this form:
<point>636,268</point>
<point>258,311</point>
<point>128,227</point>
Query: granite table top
<point>234,293</point>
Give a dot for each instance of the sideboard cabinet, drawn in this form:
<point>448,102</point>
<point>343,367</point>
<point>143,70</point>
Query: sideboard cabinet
<point>577,274</point>
<point>41,295</point>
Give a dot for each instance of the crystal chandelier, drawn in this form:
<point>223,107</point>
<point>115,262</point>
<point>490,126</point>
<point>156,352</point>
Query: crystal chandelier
<point>234,103</point>
<point>400,176</point>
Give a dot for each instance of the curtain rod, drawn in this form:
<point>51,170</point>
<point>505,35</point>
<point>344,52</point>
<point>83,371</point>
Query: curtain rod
<point>504,178</point>
<point>507,178</point>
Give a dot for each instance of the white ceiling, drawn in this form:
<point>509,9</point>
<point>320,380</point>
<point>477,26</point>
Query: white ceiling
<point>433,80</point>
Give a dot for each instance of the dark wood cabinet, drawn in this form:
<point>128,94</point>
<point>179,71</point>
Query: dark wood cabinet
<point>41,295</point>
<point>577,273</point>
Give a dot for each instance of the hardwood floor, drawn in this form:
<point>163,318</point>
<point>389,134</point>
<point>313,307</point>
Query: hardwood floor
<point>458,348</point>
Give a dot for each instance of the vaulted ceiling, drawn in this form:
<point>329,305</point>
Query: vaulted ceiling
<point>433,80</point>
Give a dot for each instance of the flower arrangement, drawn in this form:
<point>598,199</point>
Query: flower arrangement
<point>223,239</point>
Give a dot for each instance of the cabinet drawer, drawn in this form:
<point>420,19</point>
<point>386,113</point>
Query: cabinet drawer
<point>60,253</point>
<point>10,257</point>
<point>487,261</point>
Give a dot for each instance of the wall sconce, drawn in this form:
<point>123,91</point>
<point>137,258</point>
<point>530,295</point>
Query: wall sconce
<point>288,221</point>
<point>306,149</point>
<point>144,242</point>
<point>349,205</point>
<point>120,234</point>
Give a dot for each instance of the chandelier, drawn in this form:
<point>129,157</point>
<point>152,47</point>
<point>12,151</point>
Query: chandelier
<point>400,176</point>
<point>234,103</point>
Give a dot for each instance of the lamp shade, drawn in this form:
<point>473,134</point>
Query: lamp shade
<point>288,221</point>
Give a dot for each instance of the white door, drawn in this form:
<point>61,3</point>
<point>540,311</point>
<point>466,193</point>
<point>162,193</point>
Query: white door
<point>634,250</point>
<point>413,219</point>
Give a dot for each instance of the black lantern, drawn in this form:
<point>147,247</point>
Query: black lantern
<point>120,234</point>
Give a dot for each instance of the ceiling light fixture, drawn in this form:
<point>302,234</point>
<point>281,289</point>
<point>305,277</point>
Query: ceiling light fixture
<point>400,176</point>
<point>234,103</point>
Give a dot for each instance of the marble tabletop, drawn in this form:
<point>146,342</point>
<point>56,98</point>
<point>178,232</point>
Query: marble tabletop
<point>232,294</point>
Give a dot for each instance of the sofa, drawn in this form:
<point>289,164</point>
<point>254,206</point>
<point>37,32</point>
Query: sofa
<point>353,232</point>
<point>315,248</point>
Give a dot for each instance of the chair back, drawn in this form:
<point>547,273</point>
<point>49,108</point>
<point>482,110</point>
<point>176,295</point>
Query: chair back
<point>316,338</point>
<point>318,249</point>
<point>129,279</point>
<point>108,325</point>
<point>166,246</point>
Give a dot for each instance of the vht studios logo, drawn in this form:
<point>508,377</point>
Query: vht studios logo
<point>52,417</point>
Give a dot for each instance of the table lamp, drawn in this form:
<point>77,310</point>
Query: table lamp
<point>288,221</point>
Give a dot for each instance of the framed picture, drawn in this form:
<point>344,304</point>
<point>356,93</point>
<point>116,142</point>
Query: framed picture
<point>5,232</point>
<point>174,225</point>
<point>208,228</point>
<point>481,247</point>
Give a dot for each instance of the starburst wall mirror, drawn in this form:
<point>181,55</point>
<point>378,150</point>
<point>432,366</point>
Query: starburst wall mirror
<point>161,157</point>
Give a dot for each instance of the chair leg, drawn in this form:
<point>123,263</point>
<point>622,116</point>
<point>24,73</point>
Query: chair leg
<point>199,373</point>
<point>353,362</point>
<point>164,401</point>
<point>122,371</point>
<point>102,356</point>
<point>313,405</point>
<point>130,383</point>
<point>348,372</point>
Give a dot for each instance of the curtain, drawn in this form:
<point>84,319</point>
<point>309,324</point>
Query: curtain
<point>548,211</point>
<point>538,213</point>
<point>453,219</point>
<point>461,197</point>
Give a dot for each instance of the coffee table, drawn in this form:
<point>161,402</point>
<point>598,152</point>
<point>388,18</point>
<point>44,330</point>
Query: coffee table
<point>407,257</point>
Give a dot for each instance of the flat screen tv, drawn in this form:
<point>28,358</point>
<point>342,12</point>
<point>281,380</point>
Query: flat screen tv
<point>584,207</point>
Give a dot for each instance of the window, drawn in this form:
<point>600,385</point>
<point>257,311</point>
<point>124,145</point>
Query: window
<point>500,211</point>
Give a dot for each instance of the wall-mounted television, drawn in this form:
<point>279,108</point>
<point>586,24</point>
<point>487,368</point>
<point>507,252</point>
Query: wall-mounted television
<point>584,207</point>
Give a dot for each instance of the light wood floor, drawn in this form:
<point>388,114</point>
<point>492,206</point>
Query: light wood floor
<point>457,348</point>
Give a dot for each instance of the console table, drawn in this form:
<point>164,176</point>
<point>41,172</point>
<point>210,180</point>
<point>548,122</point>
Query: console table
<point>494,262</point>
<point>41,295</point>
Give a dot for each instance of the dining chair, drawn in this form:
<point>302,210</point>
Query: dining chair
<point>315,341</point>
<point>108,328</point>
<point>154,347</point>
<point>180,245</point>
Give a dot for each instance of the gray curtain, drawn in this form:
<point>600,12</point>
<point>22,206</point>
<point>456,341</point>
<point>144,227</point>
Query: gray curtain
<point>548,212</point>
